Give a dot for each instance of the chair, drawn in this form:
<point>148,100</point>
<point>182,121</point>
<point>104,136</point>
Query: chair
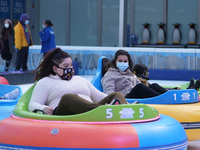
<point>96,81</point>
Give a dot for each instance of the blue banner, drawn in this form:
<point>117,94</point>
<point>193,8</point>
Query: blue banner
<point>4,9</point>
<point>18,8</point>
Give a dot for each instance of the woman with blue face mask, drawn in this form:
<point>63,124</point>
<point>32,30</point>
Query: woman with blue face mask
<point>120,78</point>
<point>47,37</point>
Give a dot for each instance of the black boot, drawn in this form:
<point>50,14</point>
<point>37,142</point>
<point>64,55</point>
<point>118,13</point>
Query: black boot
<point>191,84</point>
<point>7,65</point>
<point>197,85</point>
<point>6,69</point>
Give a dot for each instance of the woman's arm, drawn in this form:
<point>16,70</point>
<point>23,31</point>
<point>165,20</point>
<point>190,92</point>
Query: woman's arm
<point>108,84</point>
<point>44,35</point>
<point>39,97</point>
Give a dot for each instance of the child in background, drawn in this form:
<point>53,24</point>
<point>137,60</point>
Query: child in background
<point>141,71</point>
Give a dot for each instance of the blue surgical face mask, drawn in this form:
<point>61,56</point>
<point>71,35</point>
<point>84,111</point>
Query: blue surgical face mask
<point>27,22</point>
<point>122,66</point>
<point>43,26</point>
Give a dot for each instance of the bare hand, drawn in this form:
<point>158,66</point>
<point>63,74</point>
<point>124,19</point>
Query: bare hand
<point>48,110</point>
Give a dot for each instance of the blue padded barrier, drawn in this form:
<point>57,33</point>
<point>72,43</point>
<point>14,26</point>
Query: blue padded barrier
<point>166,74</point>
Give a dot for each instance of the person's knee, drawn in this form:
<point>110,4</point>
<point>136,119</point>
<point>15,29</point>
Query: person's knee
<point>154,84</point>
<point>67,97</point>
<point>140,85</point>
<point>118,94</point>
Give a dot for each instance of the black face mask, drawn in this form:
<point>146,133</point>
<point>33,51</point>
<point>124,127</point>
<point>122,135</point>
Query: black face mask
<point>67,73</point>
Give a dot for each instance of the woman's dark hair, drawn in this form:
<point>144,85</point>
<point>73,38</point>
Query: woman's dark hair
<point>48,22</point>
<point>140,69</point>
<point>112,63</point>
<point>53,58</point>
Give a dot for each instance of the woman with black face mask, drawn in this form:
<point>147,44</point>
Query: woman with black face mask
<point>59,92</point>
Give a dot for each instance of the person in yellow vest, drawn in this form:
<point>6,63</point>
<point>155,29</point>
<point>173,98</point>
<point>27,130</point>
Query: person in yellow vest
<point>22,42</point>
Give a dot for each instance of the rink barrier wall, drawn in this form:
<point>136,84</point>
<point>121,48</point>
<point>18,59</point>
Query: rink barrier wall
<point>163,63</point>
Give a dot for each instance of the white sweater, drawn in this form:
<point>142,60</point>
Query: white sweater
<point>49,90</point>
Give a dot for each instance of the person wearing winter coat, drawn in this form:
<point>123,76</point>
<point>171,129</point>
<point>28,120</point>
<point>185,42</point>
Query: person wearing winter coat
<point>23,40</point>
<point>47,37</point>
<point>1,43</point>
<point>8,41</point>
<point>120,78</point>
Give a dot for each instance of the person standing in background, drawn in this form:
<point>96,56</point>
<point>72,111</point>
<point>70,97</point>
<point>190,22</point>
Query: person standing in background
<point>1,43</point>
<point>8,41</point>
<point>22,42</point>
<point>47,37</point>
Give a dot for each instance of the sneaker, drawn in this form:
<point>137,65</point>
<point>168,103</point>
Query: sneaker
<point>12,95</point>
<point>197,85</point>
<point>176,88</point>
<point>115,102</point>
<point>191,84</point>
<point>136,102</point>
